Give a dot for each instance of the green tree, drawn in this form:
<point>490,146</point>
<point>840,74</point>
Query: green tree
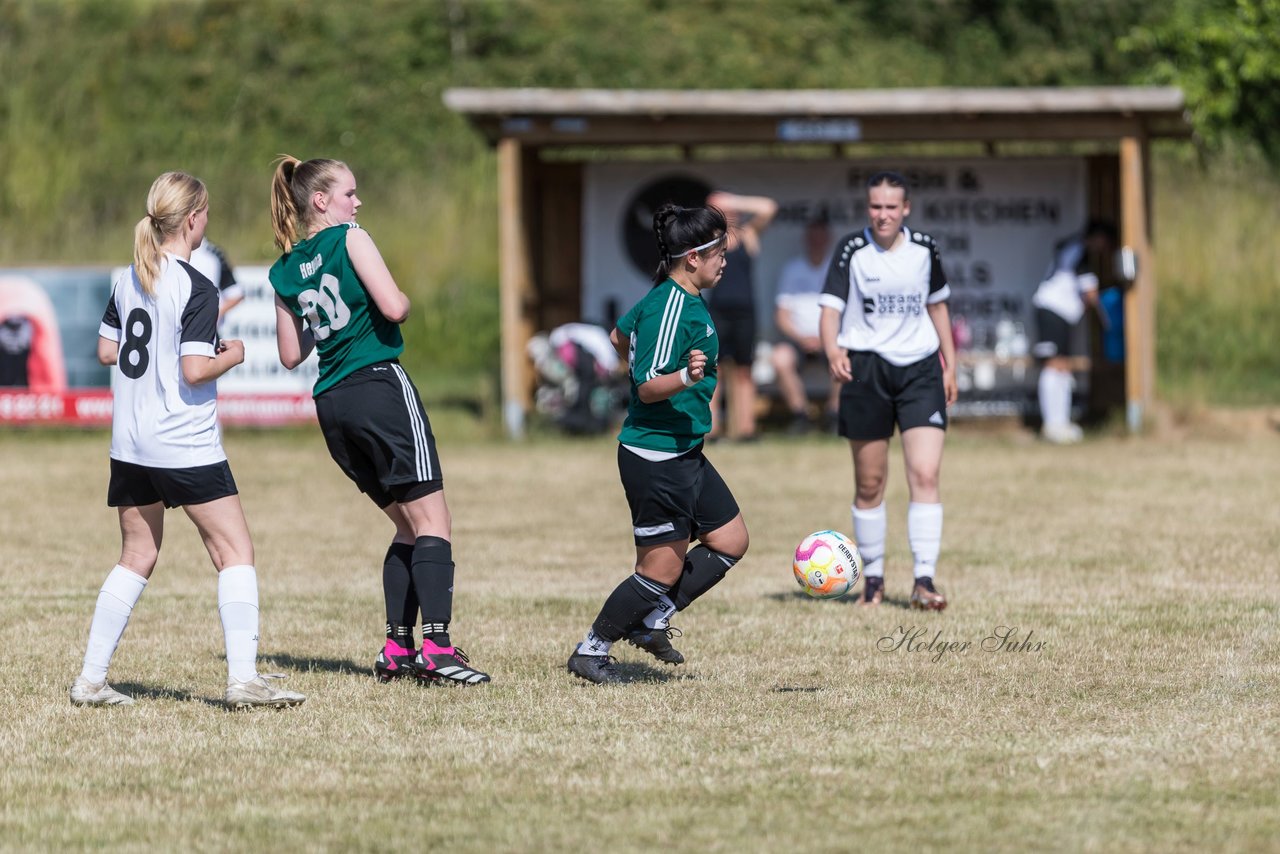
<point>1225,54</point>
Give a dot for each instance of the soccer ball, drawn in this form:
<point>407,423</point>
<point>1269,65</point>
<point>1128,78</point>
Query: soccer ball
<point>827,565</point>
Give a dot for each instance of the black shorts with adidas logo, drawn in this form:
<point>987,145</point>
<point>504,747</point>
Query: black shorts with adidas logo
<point>882,394</point>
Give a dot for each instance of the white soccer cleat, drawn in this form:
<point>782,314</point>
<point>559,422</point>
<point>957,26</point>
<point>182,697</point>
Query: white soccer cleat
<point>259,691</point>
<point>1062,434</point>
<point>86,693</point>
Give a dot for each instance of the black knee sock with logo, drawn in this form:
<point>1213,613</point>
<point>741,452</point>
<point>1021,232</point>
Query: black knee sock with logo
<point>433,578</point>
<point>627,606</point>
<point>703,569</point>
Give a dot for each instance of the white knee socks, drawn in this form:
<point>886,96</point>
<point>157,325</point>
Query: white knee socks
<point>924,533</point>
<point>238,609</point>
<point>869,534</point>
<point>1054,391</point>
<point>116,599</point>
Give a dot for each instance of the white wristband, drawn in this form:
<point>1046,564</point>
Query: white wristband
<point>684,378</point>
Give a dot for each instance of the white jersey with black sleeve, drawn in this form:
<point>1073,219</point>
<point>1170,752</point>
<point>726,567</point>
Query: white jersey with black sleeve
<point>882,295</point>
<point>159,419</point>
<point>1068,277</point>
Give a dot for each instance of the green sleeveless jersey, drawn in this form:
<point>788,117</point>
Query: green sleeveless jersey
<point>319,285</point>
<point>663,328</point>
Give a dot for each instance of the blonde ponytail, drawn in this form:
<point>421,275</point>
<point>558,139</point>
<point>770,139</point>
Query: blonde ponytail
<point>292,185</point>
<point>146,254</point>
<point>284,211</point>
<point>173,197</point>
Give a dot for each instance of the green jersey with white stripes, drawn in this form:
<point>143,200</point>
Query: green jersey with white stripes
<point>663,327</point>
<point>318,283</point>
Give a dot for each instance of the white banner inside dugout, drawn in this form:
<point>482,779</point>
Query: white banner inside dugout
<point>995,221</point>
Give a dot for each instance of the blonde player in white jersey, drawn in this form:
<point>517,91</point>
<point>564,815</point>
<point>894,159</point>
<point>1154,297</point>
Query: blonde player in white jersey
<point>886,331</point>
<point>159,334</point>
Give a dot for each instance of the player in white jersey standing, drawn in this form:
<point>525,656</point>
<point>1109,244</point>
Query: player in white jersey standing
<point>886,331</point>
<point>159,333</point>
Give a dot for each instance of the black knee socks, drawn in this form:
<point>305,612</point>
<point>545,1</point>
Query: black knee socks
<point>433,578</point>
<point>626,606</point>
<point>703,570</point>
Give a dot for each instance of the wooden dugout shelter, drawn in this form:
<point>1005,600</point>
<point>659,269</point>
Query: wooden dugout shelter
<point>540,197</point>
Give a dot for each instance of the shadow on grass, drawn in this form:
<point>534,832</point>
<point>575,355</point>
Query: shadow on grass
<point>853,599</point>
<point>311,663</point>
<point>638,671</point>
<point>146,692</point>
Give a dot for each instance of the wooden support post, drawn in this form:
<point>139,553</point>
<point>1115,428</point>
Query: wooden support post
<point>515,279</point>
<point>1140,300</point>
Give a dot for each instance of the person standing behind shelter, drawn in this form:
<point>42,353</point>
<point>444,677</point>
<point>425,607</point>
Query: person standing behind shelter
<point>797,312</point>
<point>1070,284</point>
<point>335,294</point>
<point>885,325</point>
<point>733,310</point>
<point>159,334</point>
<point>210,260</point>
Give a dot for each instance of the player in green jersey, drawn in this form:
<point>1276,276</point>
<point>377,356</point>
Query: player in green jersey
<point>675,494</point>
<point>335,294</point>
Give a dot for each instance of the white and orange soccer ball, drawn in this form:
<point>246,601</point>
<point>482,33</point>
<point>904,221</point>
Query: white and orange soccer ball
<point>827,565</point>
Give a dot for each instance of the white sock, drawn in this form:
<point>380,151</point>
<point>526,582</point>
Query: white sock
<point>1054,389</point>
<point>924,533</point>
<point>116,599</point>
<point>594,645</point>
<point>238,609</point>
<point>660,616</point>
<point>869,528</point>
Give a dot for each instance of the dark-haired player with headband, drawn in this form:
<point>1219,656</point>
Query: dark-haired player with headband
<point>334,293</point>
<point>886,331</point>
<point>674,492</point>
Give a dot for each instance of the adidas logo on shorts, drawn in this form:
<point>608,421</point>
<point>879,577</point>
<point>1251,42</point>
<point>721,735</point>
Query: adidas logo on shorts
<point>936,418</point>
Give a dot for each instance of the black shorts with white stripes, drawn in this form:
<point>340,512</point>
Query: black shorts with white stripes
<point>673,500</point>
<point>132,485</point>
<point>882,393</point>
<point>378,434</point>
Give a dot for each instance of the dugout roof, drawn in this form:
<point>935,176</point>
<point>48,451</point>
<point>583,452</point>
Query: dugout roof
<point>524,123</point>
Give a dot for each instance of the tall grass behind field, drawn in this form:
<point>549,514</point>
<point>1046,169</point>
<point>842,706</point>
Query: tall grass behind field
<point>1217,243</point>
<point>1147,718</point>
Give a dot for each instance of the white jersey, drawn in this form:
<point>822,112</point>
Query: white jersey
<point>799,287</point>
<point>1068,277</point>
<point>882,295</point>
<point>158,418</point>
<point>209,260</point>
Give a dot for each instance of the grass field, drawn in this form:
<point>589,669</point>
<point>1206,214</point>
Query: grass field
<point>1147,720</point>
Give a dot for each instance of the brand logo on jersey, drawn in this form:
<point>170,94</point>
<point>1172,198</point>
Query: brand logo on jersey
<point>310,268</point>
<point>936,418</point>
<point>873,278</point>
<point>379,369</point>
<point>711,330</point>
<point>868,305</point>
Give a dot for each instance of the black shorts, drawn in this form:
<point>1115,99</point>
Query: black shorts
<point>674,500</point>
<point>736,329</point>
<point>1053,335</point>
<point>378,434</point>
<point>882,393</point>
<point>132,485</point>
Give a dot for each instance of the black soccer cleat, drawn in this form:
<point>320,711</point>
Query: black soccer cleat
<point>657,642</point>
<point>448,665</point>
<point>391,667</point>
<point>872,591</point>
<point>600,669</point>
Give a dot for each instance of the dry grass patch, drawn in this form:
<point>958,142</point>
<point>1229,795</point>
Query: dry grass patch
<point>1146,721</point>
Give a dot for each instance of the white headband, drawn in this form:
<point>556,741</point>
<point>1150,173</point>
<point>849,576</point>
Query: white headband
<point>700,248</point>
